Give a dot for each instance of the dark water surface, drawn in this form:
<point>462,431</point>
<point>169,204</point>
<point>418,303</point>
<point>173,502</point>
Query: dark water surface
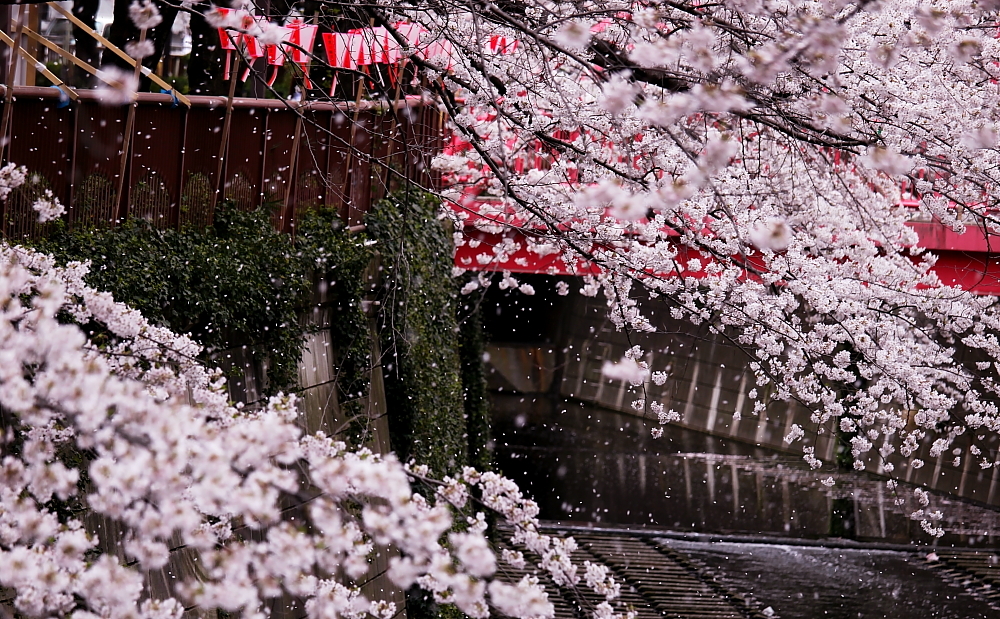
<point>584,464</point>
<point>589,466</point>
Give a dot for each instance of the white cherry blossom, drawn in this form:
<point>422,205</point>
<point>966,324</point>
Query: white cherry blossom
<point>171,462</point>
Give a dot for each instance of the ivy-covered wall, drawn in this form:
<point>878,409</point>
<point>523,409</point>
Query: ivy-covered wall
<point>432,352</point>
<point>420,334</point>
<point>474,390</point>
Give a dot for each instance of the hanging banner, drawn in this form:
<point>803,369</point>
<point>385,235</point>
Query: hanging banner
<point>354,50</point>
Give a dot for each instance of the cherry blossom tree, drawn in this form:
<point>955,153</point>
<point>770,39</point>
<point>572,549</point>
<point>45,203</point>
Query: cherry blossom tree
<point>771,138</point>
<point>773,142</point>
<point>175,465</point>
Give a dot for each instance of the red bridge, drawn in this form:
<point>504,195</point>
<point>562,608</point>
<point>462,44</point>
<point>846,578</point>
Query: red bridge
<point>970,260</point>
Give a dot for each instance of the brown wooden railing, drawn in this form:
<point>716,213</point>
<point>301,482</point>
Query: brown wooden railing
<point>182,162</point>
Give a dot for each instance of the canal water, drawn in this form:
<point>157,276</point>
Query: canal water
<point>761,520</point>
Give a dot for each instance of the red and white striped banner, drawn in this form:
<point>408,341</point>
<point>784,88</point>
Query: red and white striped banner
<point>353,50</point>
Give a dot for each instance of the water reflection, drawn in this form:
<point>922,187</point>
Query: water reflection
<point>584,464</point>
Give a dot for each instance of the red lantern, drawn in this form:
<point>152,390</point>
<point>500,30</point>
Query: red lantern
<point>340,53</point>
<point>303,36</point>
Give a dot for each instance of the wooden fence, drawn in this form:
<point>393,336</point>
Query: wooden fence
<point>183,162</point>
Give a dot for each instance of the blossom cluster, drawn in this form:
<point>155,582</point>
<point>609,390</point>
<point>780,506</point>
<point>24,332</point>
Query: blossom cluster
<point>47,205</point>
<point>127,407</point>
<point>754,167</point>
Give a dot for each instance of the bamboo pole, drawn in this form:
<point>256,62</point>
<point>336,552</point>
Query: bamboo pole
<point>219,182</point>
<point>65,54</point>
<point>38,65</point>
<point>31,68</point>
<point>156,79</point>
<point>124,191</point>
<point>285,213</point>
<point>348,177</point>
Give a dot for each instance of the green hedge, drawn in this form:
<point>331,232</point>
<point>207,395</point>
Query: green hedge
<point>237,283</point>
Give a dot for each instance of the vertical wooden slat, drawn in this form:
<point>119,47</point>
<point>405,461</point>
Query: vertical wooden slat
<point>158,135</point>
<point>178,219</point>
<point>361,169</point>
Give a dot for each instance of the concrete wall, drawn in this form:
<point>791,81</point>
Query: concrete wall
<point>708,382</point>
